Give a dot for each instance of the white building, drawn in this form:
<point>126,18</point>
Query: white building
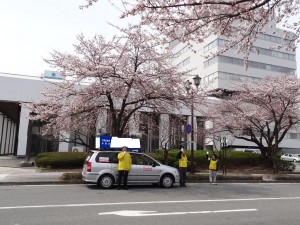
<point>14,118</point>
<point>227,69</point>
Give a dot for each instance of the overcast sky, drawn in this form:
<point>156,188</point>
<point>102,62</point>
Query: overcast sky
<point>31,29</point>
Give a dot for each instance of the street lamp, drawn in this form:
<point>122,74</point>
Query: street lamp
<point>224,158</point>
<point>197,81</point>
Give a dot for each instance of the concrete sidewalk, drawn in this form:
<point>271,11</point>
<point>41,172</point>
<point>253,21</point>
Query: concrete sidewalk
<point>11,173</point>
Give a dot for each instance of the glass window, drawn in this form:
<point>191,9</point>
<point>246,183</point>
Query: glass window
<point>274,54</point>
<point>267,37</point>
<point>107,157</point>
<point>263,66</point>
<point>268,67</point>
<point>206,64</point>
<point>274,68</point>
<point>255,64</point>
<point>279,55</point>
<point>221,42</point>
<point>292,57</point>
<point>236,61</point>
<point>293,135</point>
<point>206,48</point>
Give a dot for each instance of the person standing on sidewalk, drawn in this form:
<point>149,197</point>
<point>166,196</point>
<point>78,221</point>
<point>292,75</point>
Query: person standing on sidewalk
<point>124,167</point>
<point>182,167</point>
<point>213,168</point>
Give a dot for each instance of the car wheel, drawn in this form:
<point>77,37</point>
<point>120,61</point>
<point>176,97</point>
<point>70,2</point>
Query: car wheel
<point>106,181</point>
<point>167,181</point>
<point>294,160</point>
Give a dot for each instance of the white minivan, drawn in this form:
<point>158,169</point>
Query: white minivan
<point>101,168</point>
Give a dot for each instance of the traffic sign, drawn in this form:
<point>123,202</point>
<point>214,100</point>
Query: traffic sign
<point>188,128</point>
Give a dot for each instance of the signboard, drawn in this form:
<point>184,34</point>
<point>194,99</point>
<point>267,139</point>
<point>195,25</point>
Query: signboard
<point>188,128</point>
<point>52,75</point>
<point>109,142</point>
<point>105,141</point>
<point>133,144</point>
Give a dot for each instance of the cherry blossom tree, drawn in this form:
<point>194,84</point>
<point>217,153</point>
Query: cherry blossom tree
<point>261,113</point>
<point>129,73</point>
<point>241,21</point>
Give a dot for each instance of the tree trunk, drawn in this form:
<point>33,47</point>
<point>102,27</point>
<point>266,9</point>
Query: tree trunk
<point>166,156</point>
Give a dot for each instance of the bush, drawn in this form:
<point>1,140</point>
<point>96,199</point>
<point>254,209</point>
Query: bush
<point>285,166</point>
<point>160,157</point>
<point>233,158</point>
<point>60,160</point>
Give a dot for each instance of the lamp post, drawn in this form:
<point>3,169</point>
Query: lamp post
<point>224,147</point>
<point>197,81</point>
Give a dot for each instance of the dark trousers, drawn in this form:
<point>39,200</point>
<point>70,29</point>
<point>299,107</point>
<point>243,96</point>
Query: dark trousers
<point>182,173</point>
<point>122,173</point>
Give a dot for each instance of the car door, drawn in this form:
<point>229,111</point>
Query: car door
<point>290,158</point>
<point>148,169</point>
<point>132,175</point>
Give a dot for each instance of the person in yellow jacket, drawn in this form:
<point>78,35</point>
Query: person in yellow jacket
<point>213,168</point>
<point>124,167</point>
<point>182,168</point>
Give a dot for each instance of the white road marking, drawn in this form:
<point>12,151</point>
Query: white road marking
<point>133,213</point>
<point>144,203</point>
<point>2,176</point>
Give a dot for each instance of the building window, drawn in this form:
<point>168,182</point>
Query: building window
<point>251,64</point>
<point>258,50</point>
<point>183,63</point>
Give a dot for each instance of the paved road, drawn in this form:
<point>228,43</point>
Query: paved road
<point>226,204</point>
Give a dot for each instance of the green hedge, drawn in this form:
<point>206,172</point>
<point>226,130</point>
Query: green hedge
<point>233,158</point>
<point>60,160</point>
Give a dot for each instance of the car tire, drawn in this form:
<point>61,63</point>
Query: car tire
<point>167,181</point>
<point>294,160</point>
<point>106,181</point>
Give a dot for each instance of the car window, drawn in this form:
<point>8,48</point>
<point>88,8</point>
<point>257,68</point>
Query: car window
<point>140,159</point>
<point>148,160</point>
<point>89,155</point>
<point>107,157</point>
<point>114,157</point>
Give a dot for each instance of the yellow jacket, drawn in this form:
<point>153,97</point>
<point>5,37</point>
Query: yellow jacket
<point>213,164</point>
<point>124,161</point>
<point>183,161</point>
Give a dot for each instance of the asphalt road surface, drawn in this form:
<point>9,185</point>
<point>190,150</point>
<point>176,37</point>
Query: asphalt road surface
<point>199,204</point>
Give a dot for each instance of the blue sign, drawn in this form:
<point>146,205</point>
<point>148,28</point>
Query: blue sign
<point>188,128</point>
<point>105,141</point>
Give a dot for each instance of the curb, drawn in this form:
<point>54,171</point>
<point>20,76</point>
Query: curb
<point>12,183</point>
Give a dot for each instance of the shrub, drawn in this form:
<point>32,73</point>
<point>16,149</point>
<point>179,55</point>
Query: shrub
<point>60,160</point>
<point>160,157</point>
<point>233,158</point>
<point>285,166</point>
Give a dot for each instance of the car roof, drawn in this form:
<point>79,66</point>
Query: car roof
<point>96,151</point>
